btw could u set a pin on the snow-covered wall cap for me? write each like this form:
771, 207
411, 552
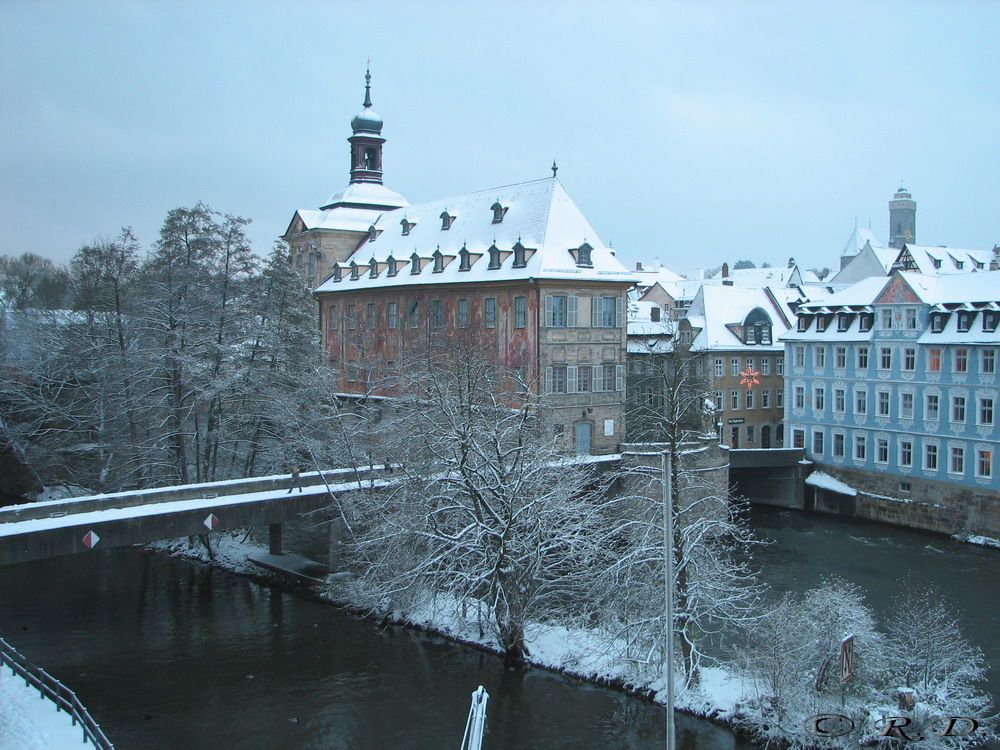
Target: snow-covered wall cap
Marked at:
541, 218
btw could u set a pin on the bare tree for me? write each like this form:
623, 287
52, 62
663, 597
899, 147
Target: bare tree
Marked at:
484, 513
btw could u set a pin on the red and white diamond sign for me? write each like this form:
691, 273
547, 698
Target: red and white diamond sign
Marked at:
212, 522
91, 539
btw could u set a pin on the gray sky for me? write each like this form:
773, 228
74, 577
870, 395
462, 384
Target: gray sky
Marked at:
694, 131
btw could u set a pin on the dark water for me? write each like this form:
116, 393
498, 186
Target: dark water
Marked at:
169, 654
876, 557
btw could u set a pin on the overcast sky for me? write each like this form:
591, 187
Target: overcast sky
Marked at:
697, 132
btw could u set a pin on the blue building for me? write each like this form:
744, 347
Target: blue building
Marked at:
892, 389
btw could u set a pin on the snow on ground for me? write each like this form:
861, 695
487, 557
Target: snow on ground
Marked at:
28, 722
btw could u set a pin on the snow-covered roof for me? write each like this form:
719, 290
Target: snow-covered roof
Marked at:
640, 321
656, 274
366, 194
943, 261
716, 308
352, 209
857, 241
758, 278
539, 215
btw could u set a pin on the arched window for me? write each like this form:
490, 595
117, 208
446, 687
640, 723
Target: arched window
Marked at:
414, 263
393, 268
354, 270
446, 220
463, 259
338, 272
583, 255
494, 252
498, 212
373, 268
438, 261
757, 327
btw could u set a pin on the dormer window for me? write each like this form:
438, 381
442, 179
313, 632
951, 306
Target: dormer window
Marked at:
438, 261
498, 212
519, 259
463, 259
392, 266
414, 264
494, 252
373, 233
843, 322
990, 320
407, 226
373, 271
978, 264
803, 324
965, 321
757, 327
959, 264
446, 221
583, 255
935, 262
821, 321
338, 272
937, 323
354, 271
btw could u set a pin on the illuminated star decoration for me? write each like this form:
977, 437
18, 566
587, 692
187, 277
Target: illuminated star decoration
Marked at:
749, 378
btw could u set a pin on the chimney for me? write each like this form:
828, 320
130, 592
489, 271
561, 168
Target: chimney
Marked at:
725, 270
791, 262
995, 263
638, 266
654, 314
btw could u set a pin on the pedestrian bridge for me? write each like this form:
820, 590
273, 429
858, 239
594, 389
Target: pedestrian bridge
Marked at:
34, 531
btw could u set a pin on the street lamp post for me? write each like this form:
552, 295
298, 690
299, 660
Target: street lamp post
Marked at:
668, 588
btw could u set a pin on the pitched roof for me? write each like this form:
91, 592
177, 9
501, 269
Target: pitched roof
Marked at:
940, 261
857, 241
539, 215
716, 308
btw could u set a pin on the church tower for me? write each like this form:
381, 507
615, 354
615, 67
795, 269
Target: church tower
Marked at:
902, 219
319, 238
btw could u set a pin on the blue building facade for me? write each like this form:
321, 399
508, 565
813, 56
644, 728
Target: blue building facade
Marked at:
892, 386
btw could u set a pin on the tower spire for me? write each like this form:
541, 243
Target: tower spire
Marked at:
368, 86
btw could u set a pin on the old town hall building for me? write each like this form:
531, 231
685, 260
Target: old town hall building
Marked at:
519, 266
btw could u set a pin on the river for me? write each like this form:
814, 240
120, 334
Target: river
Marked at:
170, 654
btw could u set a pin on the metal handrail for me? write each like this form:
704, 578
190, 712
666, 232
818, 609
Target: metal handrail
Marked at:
64, 698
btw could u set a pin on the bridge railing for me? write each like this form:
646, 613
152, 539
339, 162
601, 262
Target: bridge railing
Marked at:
56, 508
64, 698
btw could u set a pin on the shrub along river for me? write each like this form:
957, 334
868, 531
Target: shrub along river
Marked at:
172, 654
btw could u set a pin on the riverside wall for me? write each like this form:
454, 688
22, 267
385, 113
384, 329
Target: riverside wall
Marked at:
941, 507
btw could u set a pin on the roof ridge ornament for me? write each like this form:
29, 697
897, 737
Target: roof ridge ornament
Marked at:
555, 168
